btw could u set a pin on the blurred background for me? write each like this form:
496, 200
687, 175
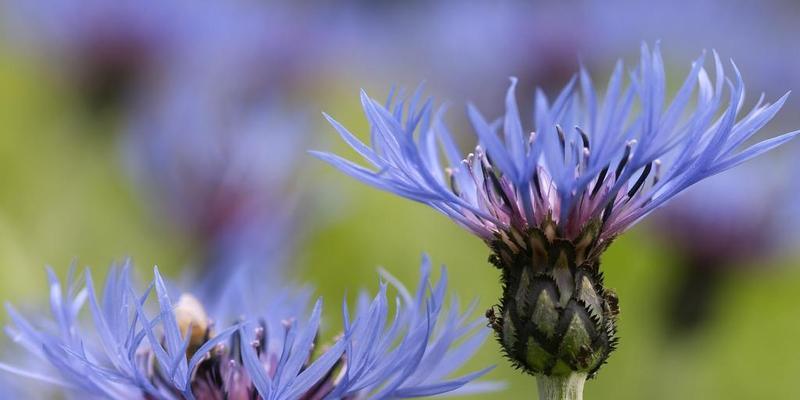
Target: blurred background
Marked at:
175, 133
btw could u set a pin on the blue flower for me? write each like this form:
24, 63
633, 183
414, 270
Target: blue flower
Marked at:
549, 203
738, 227
219, 168
117, 51
221, 165
180, 353
612, 156
739, 231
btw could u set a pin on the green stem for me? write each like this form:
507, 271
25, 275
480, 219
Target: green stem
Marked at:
568, 387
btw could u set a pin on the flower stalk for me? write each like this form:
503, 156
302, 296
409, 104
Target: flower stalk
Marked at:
568, 387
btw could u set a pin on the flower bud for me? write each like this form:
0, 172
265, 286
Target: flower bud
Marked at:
555, 316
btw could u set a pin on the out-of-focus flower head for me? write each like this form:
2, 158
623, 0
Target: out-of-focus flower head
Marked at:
436, 40
715, 229
524, 39
115, 50
106, 46
181, 352
213, 161
756, 36
222, 167
216, 143
549, 202
719, 225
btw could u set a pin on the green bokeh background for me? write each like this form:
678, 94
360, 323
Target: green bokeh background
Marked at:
65, 196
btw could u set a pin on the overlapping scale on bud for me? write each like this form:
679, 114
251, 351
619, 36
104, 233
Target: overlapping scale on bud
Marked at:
555, 317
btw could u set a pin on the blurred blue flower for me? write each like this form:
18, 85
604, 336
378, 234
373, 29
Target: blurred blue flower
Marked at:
222, 166
716, 229
738, 226
181, 353
760, 50
213, 161
437, 40
106, 47
619, 156
117, 50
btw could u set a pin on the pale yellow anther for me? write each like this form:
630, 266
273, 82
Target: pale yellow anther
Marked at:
190, 313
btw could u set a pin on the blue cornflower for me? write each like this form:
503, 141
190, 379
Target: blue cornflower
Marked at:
110, 49
613, 26
181, 353
586, 158
198, 149
529, 37
740, 231
549, 203
738, 227
118, 50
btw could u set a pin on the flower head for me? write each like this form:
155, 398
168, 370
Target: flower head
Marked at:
736, 228
222, 171
182, 353
549, 203
117, 50
107, 47
610, 158
201, 151
712, 240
